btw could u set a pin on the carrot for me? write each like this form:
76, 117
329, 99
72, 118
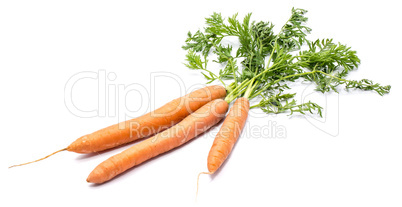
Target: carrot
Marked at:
190, 127
148, 124
143, 126
228, 134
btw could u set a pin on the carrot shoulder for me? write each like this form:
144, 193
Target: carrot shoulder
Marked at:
148, 124
193, 125
228, 134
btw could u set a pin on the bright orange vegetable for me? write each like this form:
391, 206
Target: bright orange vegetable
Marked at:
146, 125
228, 134
190, 127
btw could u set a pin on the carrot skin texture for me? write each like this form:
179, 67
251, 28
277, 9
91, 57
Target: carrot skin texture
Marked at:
148, 124
228, 134
193, 125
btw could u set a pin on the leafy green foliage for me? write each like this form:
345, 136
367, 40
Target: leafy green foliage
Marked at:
334, 61
294, 33
223, 53
194, 61
368, 85
280, 103
263, 32
228, 71
328, 57
199, 42
268, 61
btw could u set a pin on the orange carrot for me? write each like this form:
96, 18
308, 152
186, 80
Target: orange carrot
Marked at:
190, 127
146, 125
228, 134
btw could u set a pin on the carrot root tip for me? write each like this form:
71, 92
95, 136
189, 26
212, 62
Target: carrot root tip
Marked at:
198, 179
37, 159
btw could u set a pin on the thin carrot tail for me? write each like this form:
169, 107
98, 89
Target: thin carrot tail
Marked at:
38, 159
198, 179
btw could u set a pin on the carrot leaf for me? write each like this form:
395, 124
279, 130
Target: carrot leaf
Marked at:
265, 62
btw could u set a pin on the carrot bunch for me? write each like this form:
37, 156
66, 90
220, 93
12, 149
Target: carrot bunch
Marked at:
204, 105
190, 127
259, 71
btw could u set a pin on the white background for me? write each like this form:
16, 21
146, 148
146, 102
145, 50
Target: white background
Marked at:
351, 158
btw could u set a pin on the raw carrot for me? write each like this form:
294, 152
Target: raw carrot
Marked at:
228, 134
146, 125
190, 127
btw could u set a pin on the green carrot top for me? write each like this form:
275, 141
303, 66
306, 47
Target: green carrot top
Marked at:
268, 61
